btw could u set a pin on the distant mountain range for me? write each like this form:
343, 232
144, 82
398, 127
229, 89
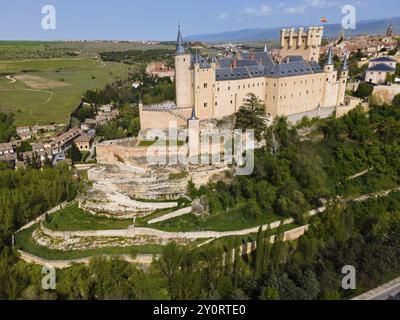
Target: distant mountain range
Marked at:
372, 27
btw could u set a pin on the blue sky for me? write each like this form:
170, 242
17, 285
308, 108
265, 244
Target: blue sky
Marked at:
157, 19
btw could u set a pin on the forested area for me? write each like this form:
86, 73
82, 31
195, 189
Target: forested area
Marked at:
152, 90
365, 235
139, 56
292, 174
7, 128
25, 194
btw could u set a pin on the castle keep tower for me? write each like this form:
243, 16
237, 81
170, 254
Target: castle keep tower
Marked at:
301, 43
183, 75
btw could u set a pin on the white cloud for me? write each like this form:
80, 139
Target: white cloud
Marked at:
263, 10
310, 4
295, 10
223, 15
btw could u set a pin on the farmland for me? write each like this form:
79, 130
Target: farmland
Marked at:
42, 82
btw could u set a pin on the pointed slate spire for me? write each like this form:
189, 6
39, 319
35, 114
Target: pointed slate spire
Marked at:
265, 47
193, 116
179, 42
330, 57
212, 55
345, 66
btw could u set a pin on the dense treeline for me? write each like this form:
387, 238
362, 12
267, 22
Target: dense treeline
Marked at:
152, 89
127, 125
291, 175
139, 56
46, 52
25, 194
365, 235
7, 128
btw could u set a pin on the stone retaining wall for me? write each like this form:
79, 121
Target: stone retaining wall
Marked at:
144, 260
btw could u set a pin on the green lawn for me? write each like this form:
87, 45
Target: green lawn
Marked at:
73, 218
25, 243
67, 80
224, 221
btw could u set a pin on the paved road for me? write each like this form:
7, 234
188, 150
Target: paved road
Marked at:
388, 293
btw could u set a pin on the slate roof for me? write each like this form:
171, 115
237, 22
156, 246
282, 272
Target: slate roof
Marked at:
293, 66
383, 59
240, 73
382, 67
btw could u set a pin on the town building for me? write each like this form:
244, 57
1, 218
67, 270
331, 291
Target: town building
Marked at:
7, 152
295, 86
84, 142
379, 69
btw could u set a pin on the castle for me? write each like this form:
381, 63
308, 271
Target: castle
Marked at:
213, 88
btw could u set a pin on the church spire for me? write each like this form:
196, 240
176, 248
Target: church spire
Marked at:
179, 42
265, 47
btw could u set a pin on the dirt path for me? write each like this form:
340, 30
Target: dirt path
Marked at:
12, 80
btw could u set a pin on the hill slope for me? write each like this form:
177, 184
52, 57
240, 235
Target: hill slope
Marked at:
378, 26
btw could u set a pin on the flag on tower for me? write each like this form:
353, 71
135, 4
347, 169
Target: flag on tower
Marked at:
324, 20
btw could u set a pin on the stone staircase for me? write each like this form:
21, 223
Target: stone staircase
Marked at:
182, 113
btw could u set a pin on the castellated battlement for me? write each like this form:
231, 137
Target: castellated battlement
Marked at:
302, 42
215, 87
291, 37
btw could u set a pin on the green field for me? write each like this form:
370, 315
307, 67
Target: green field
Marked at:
25, 243
33, 49
222, 221
73, 218
47, 90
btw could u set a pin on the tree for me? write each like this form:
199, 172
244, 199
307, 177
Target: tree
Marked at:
364, 90
251, 116
76, 155
7, 129
396, 101
24, 147
259, 254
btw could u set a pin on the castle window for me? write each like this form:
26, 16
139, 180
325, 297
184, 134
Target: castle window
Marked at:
205, 104
218, 89
205, 85
229, 88
216, 103
231, 102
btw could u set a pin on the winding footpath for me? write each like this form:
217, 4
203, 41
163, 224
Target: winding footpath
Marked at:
12, 80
